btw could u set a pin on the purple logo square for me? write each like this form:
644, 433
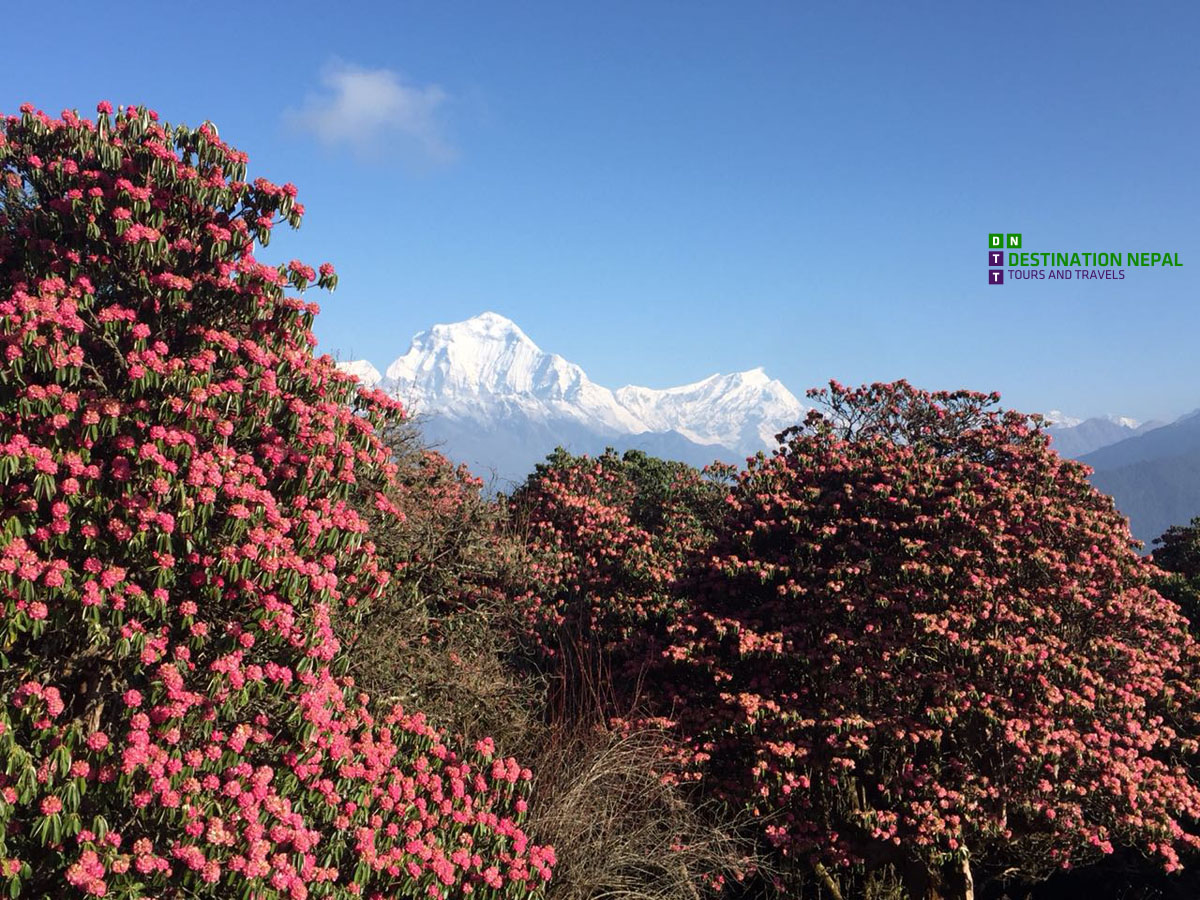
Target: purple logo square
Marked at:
995, 257
995, 276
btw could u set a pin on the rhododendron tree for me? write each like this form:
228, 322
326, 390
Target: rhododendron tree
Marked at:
926, 642
1177, 554
609, 537
607, 542
176, 545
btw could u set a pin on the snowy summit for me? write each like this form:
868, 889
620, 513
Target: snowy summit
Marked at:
485, 372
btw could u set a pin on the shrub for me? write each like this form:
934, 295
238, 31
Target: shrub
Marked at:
609, 538
608, 541
925, 642
176, 546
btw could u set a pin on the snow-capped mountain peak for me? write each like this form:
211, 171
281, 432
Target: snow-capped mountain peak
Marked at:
1124, 421
483, 382
742, 410
487, 365
1059, 419
487, 351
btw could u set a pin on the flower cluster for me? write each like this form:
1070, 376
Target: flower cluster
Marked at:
609, 539
924, 637
179, 553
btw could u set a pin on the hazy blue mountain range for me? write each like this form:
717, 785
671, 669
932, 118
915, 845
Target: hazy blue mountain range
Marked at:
1075, 437
1153, 477
1179, 438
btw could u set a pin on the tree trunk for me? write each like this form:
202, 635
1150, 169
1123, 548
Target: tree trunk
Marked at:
951, 882
827, 880
964, 881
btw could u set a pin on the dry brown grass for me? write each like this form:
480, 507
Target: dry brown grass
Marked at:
452, 667
618, 829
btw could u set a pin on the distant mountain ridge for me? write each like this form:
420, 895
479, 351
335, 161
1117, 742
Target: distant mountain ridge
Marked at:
744, 410
497, 401
1153, 477
492, 398
1074, 437
1180, 437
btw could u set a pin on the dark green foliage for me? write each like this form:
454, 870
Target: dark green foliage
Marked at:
1177, 553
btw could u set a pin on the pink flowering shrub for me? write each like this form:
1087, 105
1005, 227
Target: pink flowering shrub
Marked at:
924, 641
177, 545
609, 539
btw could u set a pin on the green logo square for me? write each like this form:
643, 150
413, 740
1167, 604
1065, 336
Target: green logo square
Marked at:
995, 241
1014, 242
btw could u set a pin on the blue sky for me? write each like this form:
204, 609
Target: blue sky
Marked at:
660, 191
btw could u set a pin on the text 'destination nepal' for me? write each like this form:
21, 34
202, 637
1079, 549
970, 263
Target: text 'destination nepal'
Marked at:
1005, 250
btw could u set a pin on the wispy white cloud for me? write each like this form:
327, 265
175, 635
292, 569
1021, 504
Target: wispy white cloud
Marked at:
377, 114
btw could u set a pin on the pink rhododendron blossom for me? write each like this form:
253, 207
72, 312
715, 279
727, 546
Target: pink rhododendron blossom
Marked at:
182, 551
